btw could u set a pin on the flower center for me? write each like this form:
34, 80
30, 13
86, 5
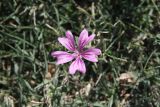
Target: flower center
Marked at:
77, 53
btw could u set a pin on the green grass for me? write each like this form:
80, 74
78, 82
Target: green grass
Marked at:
127, 32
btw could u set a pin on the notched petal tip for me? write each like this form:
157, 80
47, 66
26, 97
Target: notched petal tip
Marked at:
77, 65
92, 36
83, 35
84, 39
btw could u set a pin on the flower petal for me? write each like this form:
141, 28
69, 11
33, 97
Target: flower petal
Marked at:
91, 54
79, 65
62, 60
67, 43
90, 38
62, 57
95, 51
59, 53
69, 35
90, 57
82, 38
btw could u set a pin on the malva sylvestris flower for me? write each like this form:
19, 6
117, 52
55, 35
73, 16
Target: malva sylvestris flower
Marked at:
78, 52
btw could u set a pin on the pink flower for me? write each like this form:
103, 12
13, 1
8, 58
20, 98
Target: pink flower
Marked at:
78, 53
